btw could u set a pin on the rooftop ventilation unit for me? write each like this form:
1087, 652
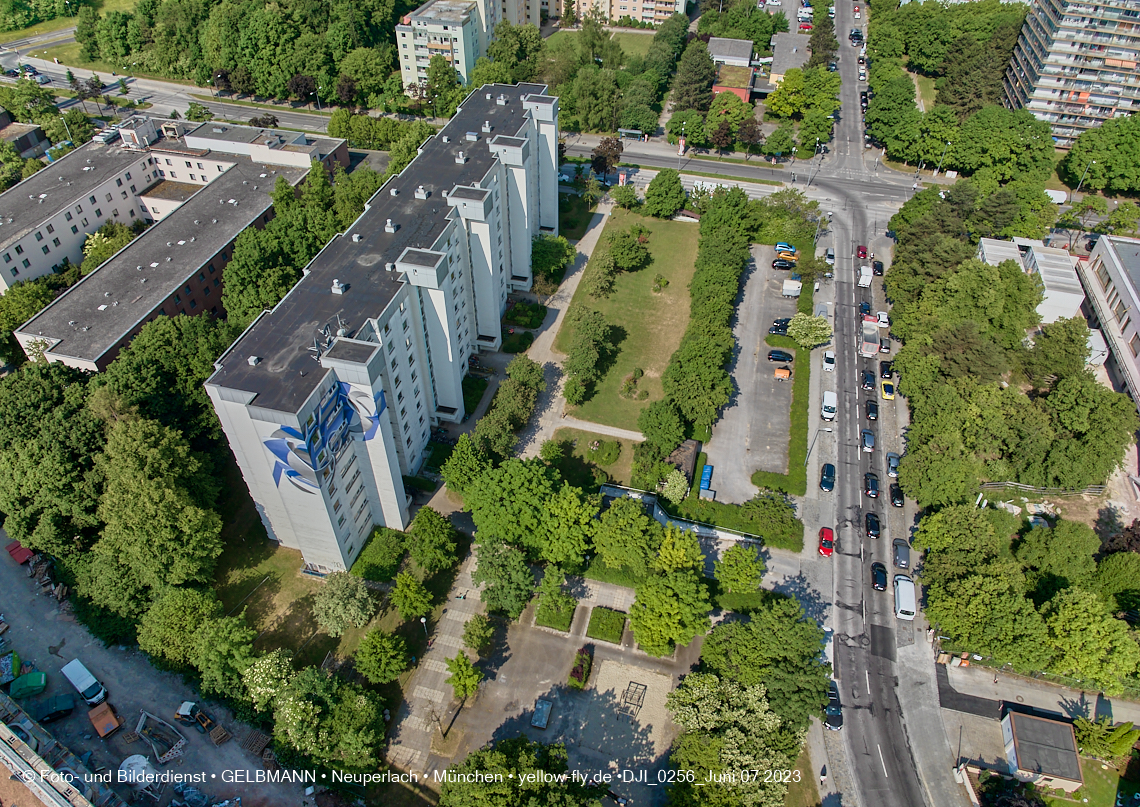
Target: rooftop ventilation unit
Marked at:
501, 100
446, 139
488, 96
337, 287
395, 191
389, 266
486, 126
254, 361
460, 158
356, 238
421, 193
389, 227
472, 136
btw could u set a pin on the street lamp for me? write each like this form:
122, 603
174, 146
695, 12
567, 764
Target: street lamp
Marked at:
318, 94
943, 157
817, 431
1082, 182
423, 621
681, 145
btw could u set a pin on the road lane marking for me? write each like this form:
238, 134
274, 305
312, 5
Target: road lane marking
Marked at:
868, 674
881, 760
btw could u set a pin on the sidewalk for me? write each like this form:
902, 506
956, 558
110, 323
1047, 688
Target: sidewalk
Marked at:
978, 682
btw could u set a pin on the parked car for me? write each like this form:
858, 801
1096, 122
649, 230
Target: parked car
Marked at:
805, 26
872, 410
871, 523
832, 67
886, 369
884, 319
900, 553
779, 330
871, 486
779, 355
897, 499
780, 263
867, 440
565, 178
878, 576
877, 268
868, 380
52, 709
888, 391
884, 344
829, 360
829, 257
861, 252
827, 478
784, 246
864, 309
858, 15
893, 465
834, 720
826, 541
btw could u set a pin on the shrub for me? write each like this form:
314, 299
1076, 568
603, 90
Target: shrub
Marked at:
380, 559
580, 672
343, 601
517, 342
526, 314
606, 625
606, 453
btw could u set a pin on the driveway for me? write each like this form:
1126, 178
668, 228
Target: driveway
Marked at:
753, 432
48, 639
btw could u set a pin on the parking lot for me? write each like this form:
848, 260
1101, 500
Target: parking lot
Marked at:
754, 429
47, 638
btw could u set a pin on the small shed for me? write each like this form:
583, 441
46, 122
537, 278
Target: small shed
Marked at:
684, 458
1041, 750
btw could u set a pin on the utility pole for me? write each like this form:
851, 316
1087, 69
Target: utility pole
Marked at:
942, 158
1082, 182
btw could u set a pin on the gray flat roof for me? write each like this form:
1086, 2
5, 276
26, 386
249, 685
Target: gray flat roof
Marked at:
1127, 251
106, 305
1057, 271
730, 48
788, 51
444, 10
1045, 746
351, 351
67, 181
287, 375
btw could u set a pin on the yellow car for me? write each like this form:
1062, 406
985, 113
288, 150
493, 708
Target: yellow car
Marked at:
888, 391
788, 256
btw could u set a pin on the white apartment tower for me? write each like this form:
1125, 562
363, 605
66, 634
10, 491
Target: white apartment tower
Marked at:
457, 30
1075, 64
328, 399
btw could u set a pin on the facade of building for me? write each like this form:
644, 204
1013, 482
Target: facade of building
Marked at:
329, 399
1111, 278
1056, 268
454, 29
640, 10
28, 139
202, 185
1075, 64
732, 52
788, 51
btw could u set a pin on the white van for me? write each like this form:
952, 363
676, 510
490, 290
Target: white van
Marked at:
84, 682
904, 597
830, 406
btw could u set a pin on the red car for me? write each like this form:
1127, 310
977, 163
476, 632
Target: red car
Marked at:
826, 541
805, 26
862, 251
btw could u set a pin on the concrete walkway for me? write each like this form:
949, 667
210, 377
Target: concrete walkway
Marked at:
597, 428
551, 406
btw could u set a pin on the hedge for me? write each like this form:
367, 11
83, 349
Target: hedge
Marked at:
606, 625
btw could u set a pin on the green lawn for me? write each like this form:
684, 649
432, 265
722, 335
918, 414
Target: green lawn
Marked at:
573, 216
804, 792
578, 465
606, 625
473, 389
795, 481
1101, 787
926, 90
651, 324
631, 44
558, 620
69, 55
64, 22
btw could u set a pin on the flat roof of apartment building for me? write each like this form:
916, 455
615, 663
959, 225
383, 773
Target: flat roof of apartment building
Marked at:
97, 313
283, 374
444, 11
1127, 252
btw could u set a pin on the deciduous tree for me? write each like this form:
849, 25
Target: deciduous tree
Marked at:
509, 582
626, 537
343, 601
464, 676
381, 656
740, 569
665, 194
433, 540
410, 596
669, 609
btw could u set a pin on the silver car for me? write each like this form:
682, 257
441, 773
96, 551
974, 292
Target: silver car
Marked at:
893, 465
868, 440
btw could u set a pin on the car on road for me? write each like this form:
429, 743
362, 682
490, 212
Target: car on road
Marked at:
834, 719
864, 309
872, 410
877, 268
884, 319
871, 523
897, 499
28, 70
827, 478
858, 16
11, 73
886, 369
826, 541
831, 12
888, 391
878, 576
867, 440
861, 252
862, 74
893, 465
829, 257
781, 263
900, 553
868, 380
829, 360
565, 178
871, 486
779, 355
884, 344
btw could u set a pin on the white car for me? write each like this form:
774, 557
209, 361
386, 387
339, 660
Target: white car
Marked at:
565, 178
829, 360
831, 12
884, 320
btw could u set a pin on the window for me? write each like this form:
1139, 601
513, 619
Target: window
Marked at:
26, 263
133, 189
192, 177
1134, 344
90, 199
168, 162
193, 305
45, 249
177, 300
211, 268
50, 229
188, 165
206, 293
116, 212
39, 236
217, 283
7, 257
67, 215
201, 278
84, 222
199, 166
132, 212
128, 176
109, 197
1102, 276
219, 169
1119, 310
118, 183
340, 521
98, 212
74, 229
55, 241
336, 506
15, 272
173, 175
153, 209
124, 194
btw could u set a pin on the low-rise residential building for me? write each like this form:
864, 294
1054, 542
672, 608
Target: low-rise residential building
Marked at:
1111, 277
203, 185
647, 11
732, 52
788, 51
1056, 268
28, 139
328, 400
453, 29
1041, 750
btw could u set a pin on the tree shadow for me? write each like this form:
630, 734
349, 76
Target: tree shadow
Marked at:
1080, 706
813, 602
500, 651
1109, 521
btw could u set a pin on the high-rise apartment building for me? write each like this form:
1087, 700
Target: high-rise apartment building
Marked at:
329, 399
457, 30
1075, 64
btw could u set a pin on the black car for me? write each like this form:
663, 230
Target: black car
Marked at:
864, 309
896, 496
871, 522
780, 263
832, 67
878, 576
868, 381
886, 369
877, 268
872, 410
779, 355
778, 330
52, 709
871, 486
834, 719
11, 74
827, 478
